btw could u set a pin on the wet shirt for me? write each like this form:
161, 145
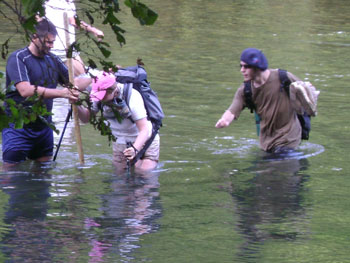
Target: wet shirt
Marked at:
47, 71
279, 125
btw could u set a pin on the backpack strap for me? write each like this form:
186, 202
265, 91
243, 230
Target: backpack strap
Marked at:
148, 143
285, 81
127, 92
126, 95
248, 95
155, 127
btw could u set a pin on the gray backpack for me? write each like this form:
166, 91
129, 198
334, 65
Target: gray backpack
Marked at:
135, 77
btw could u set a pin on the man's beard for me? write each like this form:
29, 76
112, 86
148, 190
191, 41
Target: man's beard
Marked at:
43, 51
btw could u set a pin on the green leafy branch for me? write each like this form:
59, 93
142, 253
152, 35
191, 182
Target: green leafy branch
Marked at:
25, 12
30, 110
98, 121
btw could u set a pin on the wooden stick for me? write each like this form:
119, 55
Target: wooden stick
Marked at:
75, 109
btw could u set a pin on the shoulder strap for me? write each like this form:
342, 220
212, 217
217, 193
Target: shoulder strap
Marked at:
285, 81
155, 125
248, 96
127, 92
126, 96
148, 143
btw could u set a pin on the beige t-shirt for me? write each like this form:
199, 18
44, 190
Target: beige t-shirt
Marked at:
279, 125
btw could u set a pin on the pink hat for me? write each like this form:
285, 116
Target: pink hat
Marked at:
100, 84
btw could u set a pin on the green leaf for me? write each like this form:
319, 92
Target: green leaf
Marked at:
145, 15
32, 7
90, 17
92, 63
107, 12
111, 19
14, 111
4, 120
107, 65
19, 123
120, 38
32, 117
105, 52
5, 49
26, 120
29, 23
129, 3
103, 43
151, 17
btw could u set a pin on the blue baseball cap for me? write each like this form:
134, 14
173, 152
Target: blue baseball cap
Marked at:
254, 57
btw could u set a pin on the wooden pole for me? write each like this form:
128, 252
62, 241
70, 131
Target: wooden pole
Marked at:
75, 109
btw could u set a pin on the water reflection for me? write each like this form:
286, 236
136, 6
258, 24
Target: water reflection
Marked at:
27, 235
53, 218
129, 210
270, 202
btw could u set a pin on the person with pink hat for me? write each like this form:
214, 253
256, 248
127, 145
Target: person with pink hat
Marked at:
131, 126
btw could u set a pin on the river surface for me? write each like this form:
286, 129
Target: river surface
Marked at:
215, 197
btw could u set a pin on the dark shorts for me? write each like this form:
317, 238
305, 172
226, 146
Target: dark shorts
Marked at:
20, 144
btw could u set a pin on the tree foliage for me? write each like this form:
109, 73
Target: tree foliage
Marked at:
22, 14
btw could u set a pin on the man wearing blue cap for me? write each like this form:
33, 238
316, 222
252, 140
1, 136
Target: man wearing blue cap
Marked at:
279, 125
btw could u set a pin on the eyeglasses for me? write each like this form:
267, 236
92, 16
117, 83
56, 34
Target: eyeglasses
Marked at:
49, 42
245, 66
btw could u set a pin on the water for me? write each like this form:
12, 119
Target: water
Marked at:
215, 196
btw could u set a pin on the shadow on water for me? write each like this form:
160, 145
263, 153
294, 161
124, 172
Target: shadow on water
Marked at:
269, 198
50, 218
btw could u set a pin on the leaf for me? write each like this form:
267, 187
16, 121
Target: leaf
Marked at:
26, 120
102, 43
120, 38
32, 7
151, 17
90, 17
92, 63
4, 120
5, 49
129, 3
29, 23
145, 15
32, 117
111, 19
107, 12
14, 111
19, 123
107, 65
106, 53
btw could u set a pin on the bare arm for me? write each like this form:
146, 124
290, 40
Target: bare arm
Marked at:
82, 82
141, 139
84, 114
88, 28
225, 119
25, 89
